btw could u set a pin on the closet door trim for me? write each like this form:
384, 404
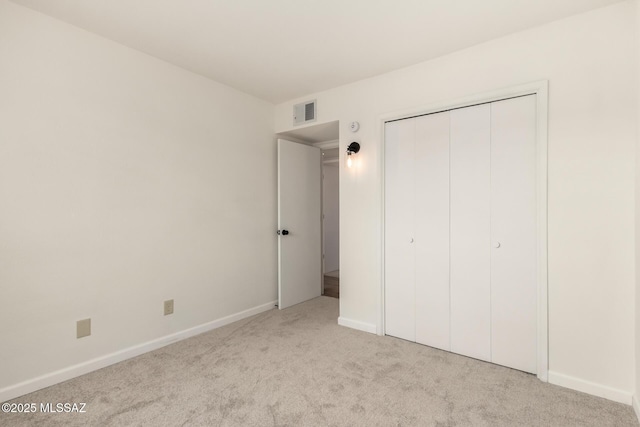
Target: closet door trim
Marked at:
540, 89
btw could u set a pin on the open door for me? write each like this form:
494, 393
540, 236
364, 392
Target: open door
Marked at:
299, 223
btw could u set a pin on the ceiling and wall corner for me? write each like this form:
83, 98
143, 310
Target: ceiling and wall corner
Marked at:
284, 49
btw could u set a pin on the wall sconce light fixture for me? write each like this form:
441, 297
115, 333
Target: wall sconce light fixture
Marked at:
352, 149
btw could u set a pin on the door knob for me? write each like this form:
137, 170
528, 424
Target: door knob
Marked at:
497, 245
283, 232
411, 240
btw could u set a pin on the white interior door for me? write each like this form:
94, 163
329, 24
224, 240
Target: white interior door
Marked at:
299, 223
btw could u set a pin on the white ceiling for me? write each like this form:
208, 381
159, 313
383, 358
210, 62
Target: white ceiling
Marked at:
278, 50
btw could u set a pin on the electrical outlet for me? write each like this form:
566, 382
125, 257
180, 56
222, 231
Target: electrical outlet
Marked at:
168, 307
83, 328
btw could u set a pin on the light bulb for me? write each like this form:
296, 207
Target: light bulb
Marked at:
349, 162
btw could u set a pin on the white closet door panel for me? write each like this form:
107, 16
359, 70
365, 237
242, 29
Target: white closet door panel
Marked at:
513, 226
399, 222
432, 230
470, 231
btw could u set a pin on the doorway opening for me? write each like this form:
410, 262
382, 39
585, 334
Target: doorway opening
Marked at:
324, 138
331, 222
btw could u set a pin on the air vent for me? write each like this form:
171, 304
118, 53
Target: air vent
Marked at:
304, 112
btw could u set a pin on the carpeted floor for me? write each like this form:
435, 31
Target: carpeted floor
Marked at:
297, 367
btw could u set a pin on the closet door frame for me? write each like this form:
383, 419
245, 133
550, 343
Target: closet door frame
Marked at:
540, 89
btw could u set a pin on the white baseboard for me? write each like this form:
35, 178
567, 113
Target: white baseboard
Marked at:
355, 324
636, 406
29, 386
588, 387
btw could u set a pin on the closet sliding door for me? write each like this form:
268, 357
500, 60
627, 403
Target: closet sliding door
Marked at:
400, 296
460, 231
417, 230
513, 233
470, 231
432, 230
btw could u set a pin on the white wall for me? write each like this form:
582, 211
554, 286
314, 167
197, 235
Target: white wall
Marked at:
589, 61
331, 211
124, 181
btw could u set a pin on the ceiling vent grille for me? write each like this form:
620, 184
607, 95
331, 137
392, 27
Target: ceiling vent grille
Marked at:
304, 112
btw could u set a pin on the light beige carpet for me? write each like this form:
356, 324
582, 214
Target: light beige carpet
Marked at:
297, 367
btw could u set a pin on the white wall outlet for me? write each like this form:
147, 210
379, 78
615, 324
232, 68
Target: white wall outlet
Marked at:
83, 328
168, 307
